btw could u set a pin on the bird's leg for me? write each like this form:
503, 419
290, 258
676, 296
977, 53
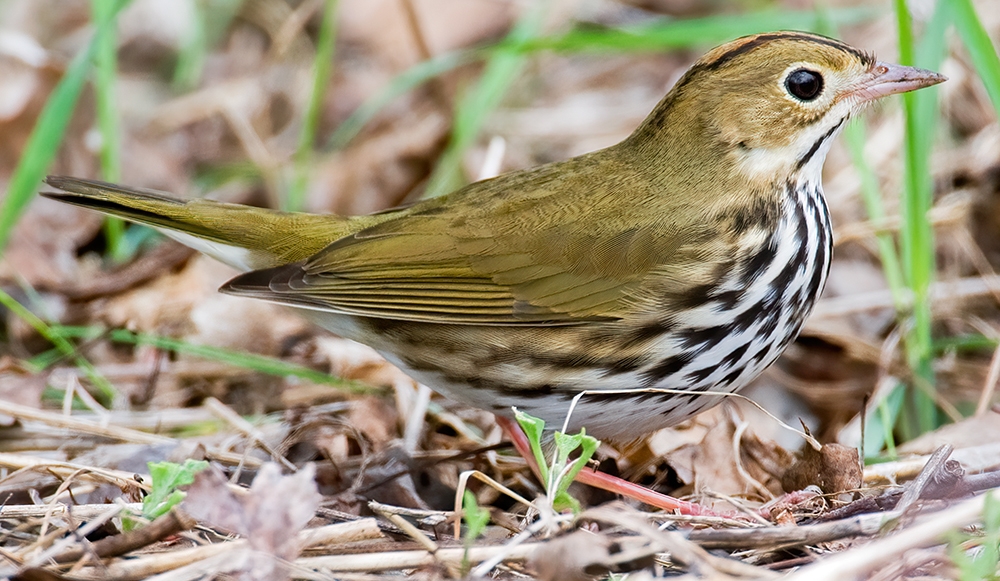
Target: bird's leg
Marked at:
610, 483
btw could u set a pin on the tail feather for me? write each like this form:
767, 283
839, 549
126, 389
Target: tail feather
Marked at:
244, 237
134, 204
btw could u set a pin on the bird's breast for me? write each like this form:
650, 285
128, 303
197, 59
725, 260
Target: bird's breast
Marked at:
639, 374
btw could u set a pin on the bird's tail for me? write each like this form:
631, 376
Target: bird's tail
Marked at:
244, 237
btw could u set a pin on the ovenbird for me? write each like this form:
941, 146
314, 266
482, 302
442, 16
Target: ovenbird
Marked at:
684, 258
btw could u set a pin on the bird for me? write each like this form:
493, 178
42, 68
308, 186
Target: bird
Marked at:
621, 291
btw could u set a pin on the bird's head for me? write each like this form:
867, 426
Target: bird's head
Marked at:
767, 106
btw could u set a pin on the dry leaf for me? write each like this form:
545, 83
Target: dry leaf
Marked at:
578, 556
967, 433
834, 468
18, 385
269, 515
42, 248
711, 463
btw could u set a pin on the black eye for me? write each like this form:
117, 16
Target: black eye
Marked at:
804, 84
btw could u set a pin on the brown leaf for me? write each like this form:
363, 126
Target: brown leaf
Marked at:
578, 556
834, 468
42, 249
711, 462
18, 385
386, 26
376, 419
269, 515
20, 73
352, 360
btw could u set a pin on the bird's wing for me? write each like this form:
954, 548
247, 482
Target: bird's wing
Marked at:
541, 247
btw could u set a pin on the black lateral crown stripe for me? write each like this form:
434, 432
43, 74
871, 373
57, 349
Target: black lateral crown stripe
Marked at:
762, 39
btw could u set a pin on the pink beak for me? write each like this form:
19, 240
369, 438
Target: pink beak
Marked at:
888, 79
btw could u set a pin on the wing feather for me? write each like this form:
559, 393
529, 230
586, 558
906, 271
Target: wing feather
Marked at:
547, 246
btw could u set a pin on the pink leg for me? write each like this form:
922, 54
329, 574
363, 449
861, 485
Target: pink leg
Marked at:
611, 483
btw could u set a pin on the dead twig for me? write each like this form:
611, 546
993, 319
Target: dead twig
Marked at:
84, 426
681, 550
147, 565
163, 258
854, 564
931, 473
171, 523
226, 414
789, 536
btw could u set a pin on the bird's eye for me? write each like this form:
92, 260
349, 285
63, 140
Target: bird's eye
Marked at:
804, 84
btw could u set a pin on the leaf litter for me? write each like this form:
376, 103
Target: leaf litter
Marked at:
311, 482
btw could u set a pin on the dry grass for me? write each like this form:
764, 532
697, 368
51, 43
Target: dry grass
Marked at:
370, 467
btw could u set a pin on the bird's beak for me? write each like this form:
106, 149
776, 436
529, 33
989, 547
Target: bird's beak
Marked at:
888, 79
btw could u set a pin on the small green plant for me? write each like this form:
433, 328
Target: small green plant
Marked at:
979, 564
165, 479
558, 474
476, 518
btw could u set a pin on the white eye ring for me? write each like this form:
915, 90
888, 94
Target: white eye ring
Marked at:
804, 84
796, 74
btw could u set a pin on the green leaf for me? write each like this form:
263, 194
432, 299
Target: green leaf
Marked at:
534, 428
476, 518
566, 444
166, 478
588, 445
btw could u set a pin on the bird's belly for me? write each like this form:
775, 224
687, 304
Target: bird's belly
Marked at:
630, 389
636, 375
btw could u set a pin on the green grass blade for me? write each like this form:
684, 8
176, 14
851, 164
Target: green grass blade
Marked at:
322, 66
854, 134
250, 361
703, 31
664, 35
880, 420
917, 235
193, 49
479, 101
106, 71
106, 393
46, 137
210, 21
965, 343
406, 81
658, 36
980, 47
